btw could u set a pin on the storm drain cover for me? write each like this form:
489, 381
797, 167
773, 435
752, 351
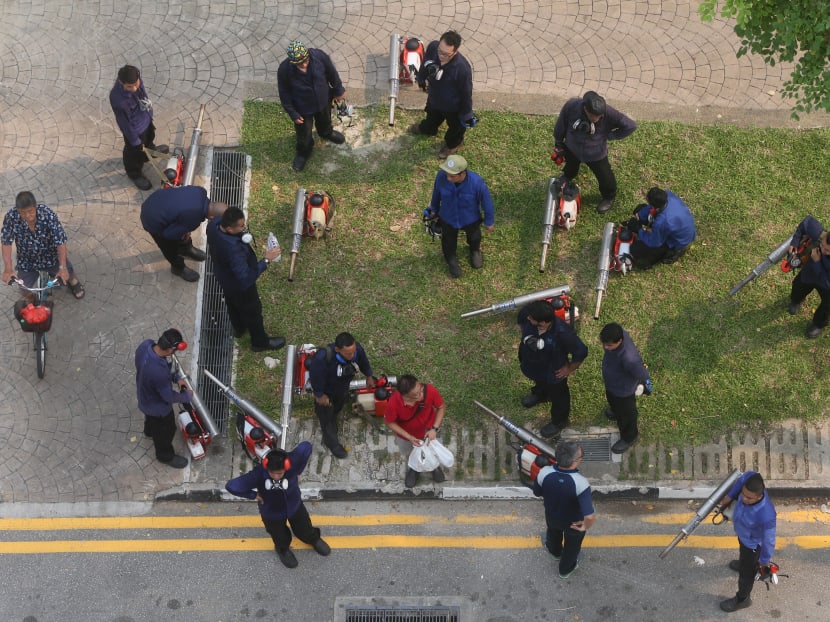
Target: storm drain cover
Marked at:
433, 609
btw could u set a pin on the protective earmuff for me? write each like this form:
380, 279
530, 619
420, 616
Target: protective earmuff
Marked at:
276, 460
172, 339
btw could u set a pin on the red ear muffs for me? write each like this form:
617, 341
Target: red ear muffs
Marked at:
182, 345
286, 464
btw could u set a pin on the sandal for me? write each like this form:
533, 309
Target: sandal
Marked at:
77, 290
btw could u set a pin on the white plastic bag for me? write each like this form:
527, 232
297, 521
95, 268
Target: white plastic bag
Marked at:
423, 459
445, 456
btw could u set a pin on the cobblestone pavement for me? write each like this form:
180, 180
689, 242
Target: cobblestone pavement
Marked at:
77, 434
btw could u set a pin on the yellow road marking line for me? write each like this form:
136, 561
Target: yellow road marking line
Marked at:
249, 520
381, 541
795, 516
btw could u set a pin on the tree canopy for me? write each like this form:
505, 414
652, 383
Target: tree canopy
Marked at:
785, 31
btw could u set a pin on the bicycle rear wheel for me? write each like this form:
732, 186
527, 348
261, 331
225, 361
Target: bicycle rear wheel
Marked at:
40, 353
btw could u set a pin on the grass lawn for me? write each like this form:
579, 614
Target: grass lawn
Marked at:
716, 362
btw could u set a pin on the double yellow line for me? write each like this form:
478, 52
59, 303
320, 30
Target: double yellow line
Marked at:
343, 542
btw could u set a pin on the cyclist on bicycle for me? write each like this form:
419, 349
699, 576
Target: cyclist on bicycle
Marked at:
41, 244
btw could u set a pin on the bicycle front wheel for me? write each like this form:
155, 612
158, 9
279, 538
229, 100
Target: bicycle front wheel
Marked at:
40, 353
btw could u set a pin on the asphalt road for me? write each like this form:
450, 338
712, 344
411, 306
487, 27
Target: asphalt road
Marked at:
214, 562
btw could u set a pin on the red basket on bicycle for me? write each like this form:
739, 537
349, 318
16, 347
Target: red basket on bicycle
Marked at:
33, 318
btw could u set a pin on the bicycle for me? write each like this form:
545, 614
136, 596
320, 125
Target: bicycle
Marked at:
35, 315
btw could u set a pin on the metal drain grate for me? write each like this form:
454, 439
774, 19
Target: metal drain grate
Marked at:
595, 448
403, 614
230, 172
402, 609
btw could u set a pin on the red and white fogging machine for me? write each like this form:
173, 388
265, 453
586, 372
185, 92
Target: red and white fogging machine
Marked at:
406, 55
563, 204
533, 455
559, 297
255, 443
197, 424
369, 400
179, 170
313, 218
614, 256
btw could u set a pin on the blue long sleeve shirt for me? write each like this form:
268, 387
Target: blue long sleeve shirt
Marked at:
623, 369
306, 93
453, 92
588, 147
234, 262
133, 111
754, 524
277, 503
561, 347
329, 375
173, 212
674, 226
461, 204
154, 382
813, 272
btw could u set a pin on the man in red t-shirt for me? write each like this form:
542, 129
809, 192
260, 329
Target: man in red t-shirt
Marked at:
415, 413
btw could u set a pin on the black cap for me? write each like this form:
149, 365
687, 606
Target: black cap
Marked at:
594, 103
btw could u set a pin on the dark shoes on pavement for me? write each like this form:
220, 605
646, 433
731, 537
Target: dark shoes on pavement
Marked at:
141, 182
550, 430
322, 547
274, 343
813, 331
299, 163
161, 148
621, 446
605, 205
177, 462
338, 450
287, 558
733, 604
411, 478
335, 137
476, 259
529, 401
194, 253
438, 476
568, 574
735, 565
455, 269
186, 273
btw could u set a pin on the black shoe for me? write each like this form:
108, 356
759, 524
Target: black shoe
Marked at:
338, 451
298, 164
177, 462
141, 182
733, 604
529, 401
621, 446
186, 273
288, 559
476, 259
238, 334
550, 430
161, 148
813, 331
605, 205
274, 343
609, 414
735, 565
335, 137
793, 308
414, 129
322, 547
438, 476
411, 478
455, 269
194, 253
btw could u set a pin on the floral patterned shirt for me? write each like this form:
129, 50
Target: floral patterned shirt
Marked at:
38, 249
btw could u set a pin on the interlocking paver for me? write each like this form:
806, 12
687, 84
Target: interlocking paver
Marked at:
77, 435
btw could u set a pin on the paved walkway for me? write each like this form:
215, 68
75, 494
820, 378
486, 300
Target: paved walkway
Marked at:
76, 435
